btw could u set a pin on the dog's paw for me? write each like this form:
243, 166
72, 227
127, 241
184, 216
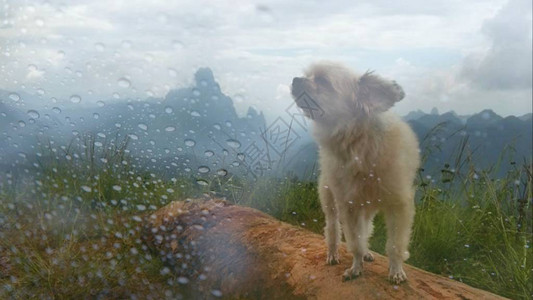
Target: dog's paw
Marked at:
352, 273
332, 258
368, 257
397, 277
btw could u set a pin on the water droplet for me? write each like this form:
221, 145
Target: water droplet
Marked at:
126, 44
202, 182
209, 153
222, 172
33, 114
177, 44
39, 22
233, 143
217, 126
172, 72
190, 143
195, 113
117, 188
168, 110
96, 116
123, 82
56, 109
22, 124
170, 128
86, 188
133, 136
203, 169
141, 207
216, 293
100, 103
75, 99
240, 156
142, 126
100, 47
183, 280
238, 98
196, 92
14, 96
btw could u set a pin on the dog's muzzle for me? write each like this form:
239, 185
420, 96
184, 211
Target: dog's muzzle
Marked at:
297, 86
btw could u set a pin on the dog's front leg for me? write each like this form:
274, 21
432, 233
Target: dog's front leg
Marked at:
354, 226
332, 229
399, 222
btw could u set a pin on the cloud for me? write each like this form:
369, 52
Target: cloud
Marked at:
508, 62
84, 46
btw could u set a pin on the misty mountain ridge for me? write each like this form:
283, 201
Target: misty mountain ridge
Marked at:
197, 128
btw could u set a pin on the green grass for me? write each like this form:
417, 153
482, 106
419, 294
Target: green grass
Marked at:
70, 225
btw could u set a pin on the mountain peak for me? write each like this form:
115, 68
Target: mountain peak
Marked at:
204, 75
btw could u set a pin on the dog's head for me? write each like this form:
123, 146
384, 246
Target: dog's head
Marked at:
330, 93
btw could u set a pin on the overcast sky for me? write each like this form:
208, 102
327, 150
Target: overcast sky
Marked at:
454, 55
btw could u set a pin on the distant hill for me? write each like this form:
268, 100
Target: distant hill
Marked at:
195, 130
190, 128
487, 137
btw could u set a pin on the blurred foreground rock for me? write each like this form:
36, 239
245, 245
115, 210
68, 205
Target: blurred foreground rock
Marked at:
233, 252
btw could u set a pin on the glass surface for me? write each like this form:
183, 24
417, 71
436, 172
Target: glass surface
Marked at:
109, 110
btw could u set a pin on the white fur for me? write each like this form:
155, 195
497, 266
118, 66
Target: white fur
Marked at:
368, 161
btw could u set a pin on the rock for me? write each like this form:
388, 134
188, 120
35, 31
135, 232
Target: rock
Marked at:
233, 252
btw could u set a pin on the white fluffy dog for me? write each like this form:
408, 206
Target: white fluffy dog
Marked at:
368, 161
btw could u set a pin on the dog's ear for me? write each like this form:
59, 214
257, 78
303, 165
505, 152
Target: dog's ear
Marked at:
375, 94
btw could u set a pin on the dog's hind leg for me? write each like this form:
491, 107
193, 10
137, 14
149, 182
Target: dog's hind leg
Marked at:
332, 229
399, 220
370, 229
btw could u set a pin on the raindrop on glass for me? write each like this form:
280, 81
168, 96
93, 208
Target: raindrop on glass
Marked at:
99, 47
183, 280
172, 72
14, 96
216, 293
39, 22
170, 128
189, 143
86, 188
233, 143
202, 182
75, 99
203, 169
33, 114
123, 82
126, 44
